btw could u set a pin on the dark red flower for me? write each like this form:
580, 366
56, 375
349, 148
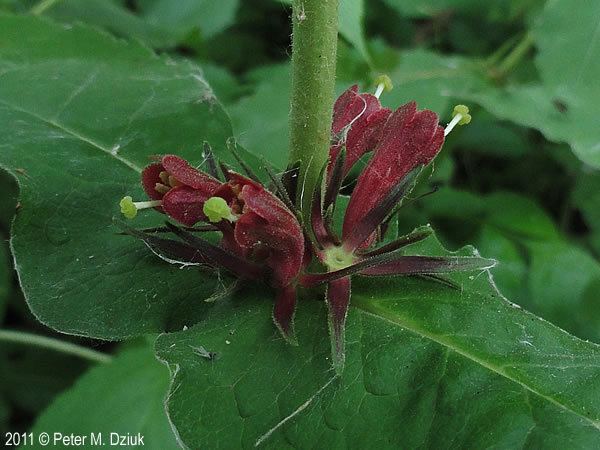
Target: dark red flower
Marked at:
358, 121
181, 188
410, 138
261, 237
402, 143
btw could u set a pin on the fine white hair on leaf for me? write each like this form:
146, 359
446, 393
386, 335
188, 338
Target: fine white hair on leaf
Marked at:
183, 264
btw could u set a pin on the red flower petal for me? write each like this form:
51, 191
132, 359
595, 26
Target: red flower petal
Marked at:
283, 312
409, 138
365, 116
267, 225
364, 135
341, 106
188, 175
185, 204
338, 298
150, 176
281, 248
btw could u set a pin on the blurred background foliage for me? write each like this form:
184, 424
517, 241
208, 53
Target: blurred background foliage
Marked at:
521, 182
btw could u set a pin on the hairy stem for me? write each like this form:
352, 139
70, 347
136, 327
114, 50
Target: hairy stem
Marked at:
18, 337
313, 79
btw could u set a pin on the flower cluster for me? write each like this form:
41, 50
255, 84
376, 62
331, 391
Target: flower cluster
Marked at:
262, 237
402, 142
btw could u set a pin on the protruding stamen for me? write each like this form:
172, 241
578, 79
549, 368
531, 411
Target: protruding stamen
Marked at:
173, 182
217, 209
164, 177
161, 188
383, 83
129, 208
460, 116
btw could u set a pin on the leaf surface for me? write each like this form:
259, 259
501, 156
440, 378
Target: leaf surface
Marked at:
260, 120
81, 113
113, 17
433, 80
563, 106
181, 17
124, 396
426, 366
561, 278
493, 10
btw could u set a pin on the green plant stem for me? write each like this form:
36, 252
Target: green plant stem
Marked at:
515, 56
495, 58
18, 337
313, 80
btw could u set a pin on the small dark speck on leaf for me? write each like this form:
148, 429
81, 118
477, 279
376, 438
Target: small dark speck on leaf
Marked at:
560, 106
201, 351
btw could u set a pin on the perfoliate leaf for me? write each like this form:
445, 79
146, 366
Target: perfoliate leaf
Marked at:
427, 365
93, 110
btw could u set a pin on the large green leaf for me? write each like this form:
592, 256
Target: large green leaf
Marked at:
519, 217
111, 16
428, 366
351, 26
76, 137
496, 10
260, 120
127, 396
564, 105
559, 281
182, 16
510, 273
433, 80
159, 23
32, 376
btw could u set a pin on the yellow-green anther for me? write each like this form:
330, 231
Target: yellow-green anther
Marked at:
385, 81
460, 116
217, 209
464, 112
128, 208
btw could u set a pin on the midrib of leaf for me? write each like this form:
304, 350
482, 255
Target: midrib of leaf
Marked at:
74, 134
371, 309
